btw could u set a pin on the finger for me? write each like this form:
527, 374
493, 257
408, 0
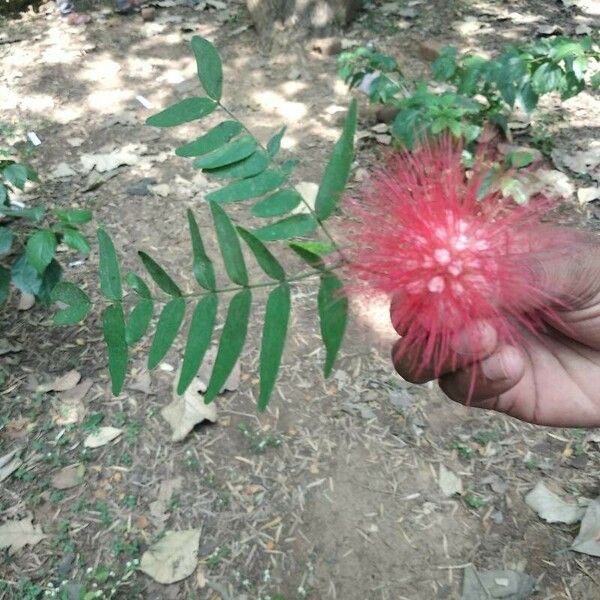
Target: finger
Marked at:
483, 384
469, 345
395, 312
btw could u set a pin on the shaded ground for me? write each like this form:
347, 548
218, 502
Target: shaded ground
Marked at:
307, 500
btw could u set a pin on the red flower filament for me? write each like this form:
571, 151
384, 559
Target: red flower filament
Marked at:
449, 258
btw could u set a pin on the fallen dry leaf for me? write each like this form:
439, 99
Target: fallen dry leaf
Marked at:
160, 189
9, 463
143, 383
142, 522
68, 477
71, 409
588, 539
184, 412
18, 428
449, 483
496, 585
26, 301
110, 160
588, 194
549, 182
158, 508
205, 371
584, 162
14, 535
78, 392
69, 412
102, 437
172, 558
65, 382
551, 507
201, 577
62, 170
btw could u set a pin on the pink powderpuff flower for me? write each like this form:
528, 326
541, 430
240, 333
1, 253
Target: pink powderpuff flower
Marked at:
449, 258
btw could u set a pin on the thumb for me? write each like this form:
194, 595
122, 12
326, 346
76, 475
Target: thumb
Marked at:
567, 274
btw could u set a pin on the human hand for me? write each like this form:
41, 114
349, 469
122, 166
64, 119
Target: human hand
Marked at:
551, 379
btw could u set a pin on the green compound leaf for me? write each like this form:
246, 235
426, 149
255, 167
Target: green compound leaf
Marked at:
290, 227
40, 249
77, 301
247, 188
231, 343
213, 139
110, 276
229, 245
308, 256
273, 340
139, 321
185, 111
253, 165
210, 70
6, 240
337, 170
113, 326
76, 240
268, 263
274, 144
25, 277
277, 204
138, 285
333, 316
73, 217
167, 329
232, 152
4, 284
317, 247
159, 275
203, 267
199, 336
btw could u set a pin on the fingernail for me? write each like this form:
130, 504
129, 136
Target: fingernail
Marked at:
494, 368
475, 339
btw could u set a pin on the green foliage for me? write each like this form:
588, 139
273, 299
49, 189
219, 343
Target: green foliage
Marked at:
29, 237
252, 173
479, 90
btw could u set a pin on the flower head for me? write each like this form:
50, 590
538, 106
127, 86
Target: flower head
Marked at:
449, 255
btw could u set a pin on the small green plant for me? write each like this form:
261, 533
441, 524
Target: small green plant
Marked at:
218, 555
476, 90
484, 437
102, 583
259, 442
474, 501
29, 237
463, 450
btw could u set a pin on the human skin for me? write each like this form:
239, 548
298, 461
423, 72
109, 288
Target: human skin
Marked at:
549, 379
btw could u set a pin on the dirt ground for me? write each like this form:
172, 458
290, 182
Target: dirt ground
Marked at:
334, 492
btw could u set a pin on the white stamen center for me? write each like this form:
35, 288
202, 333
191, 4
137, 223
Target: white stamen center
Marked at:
442, 255
436, 285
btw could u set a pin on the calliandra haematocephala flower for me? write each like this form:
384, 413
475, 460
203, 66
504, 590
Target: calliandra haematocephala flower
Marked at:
451, 256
